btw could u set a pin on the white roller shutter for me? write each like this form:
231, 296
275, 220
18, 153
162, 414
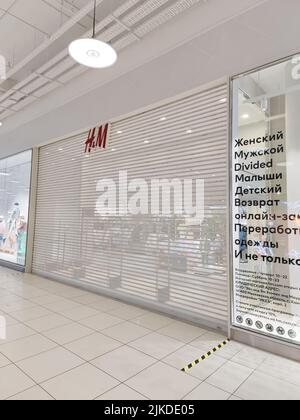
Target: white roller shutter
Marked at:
161, 261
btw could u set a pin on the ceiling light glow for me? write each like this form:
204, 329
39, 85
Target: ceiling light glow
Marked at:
285, 164
245, 116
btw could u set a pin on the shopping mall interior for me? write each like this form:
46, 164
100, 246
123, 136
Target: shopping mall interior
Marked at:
149, 202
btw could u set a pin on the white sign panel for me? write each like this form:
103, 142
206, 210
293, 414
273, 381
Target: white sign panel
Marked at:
266, 202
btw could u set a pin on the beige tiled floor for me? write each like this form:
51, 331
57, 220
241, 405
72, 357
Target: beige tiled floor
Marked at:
65, 343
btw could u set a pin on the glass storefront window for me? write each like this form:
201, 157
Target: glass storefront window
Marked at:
15, 174
266, 200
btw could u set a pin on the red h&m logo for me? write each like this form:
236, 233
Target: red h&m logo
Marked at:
97, 141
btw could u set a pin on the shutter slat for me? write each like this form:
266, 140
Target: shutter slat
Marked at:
162, 261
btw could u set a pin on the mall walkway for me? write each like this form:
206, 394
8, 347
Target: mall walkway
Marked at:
65, 343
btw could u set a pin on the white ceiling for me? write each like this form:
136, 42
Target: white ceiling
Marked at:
210, 40
34, 35
24, 25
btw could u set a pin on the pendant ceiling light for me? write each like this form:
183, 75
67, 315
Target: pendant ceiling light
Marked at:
91, 52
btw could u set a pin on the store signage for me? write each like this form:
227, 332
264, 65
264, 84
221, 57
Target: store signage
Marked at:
262, 228
97, 138
266, 205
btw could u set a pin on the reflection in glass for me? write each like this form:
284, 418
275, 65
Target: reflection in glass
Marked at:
15, 173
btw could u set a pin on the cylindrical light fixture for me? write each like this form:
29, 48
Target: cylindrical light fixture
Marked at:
91, 52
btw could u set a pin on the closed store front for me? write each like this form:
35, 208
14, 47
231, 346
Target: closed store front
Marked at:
142, 215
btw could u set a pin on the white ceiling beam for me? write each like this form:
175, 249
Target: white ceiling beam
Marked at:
60, 32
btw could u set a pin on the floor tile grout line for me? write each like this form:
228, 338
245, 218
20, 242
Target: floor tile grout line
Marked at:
24, 373
89, 362
251, 374
40, 384
254, 371
94, 332
124, 344
26, 390
103, 332
128, 386
158, 360
84, 362
204, 381
217, 370
174, 319
124, 382
56, 345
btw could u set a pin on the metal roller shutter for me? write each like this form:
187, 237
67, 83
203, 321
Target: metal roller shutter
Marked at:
162, 262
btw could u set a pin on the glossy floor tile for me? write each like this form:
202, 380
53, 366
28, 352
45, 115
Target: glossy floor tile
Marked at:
126, 332
230, 377
157, 345
161, 381
124, 363
123, 393
82, 383
203, 370
68, 333
33, 394
13, 381
206, 392
26, 347
49, 364
93, 346
55, 338
260, 386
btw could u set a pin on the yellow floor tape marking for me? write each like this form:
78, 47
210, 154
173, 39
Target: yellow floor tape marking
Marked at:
205, 356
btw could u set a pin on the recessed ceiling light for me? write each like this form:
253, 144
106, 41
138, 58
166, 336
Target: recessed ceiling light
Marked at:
222, 101
120, 132
91, 52
245, 116
163, 119
189, 131
146, 142
113, 150
1, 123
